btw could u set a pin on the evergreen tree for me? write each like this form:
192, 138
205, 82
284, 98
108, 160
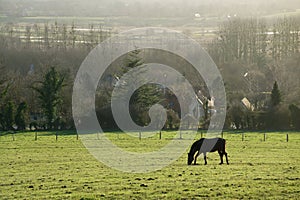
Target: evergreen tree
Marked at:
49, 94
6, 109
20, 116
275, 95
7, 116
145, 96
4, 85
132, 60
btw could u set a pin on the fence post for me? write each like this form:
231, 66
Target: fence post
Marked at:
160, 135
265, 136
140, 135
201, 134
243, 136
56, 136
35, 136
13, 136
287, 137
222, 134
77, 136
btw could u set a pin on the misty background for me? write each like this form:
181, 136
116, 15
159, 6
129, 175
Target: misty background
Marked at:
255, 44
143, 8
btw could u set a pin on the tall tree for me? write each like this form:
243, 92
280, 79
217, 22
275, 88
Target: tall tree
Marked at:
7, 116
4, 88
145, 96
20, 116
49, 94
275, 95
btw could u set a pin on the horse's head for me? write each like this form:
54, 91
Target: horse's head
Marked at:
190, 158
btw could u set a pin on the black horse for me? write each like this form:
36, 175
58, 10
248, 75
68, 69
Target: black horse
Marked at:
207, 145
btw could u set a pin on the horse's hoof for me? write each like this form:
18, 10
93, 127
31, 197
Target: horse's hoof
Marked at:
221, 164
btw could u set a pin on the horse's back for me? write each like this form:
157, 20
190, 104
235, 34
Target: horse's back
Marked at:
212, 144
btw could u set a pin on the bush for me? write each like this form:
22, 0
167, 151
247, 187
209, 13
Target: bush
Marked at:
278, 118
295, 116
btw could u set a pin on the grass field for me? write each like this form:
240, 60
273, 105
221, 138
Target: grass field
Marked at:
63, 169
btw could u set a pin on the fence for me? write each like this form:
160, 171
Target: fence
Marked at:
39, 135
161, 135
263, 136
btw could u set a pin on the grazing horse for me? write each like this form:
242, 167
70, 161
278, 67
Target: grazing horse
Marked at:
207, 145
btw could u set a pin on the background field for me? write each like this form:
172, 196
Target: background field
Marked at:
63, 169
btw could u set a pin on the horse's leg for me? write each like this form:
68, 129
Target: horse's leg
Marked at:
195, 160
205, 161
226, 157
221, 156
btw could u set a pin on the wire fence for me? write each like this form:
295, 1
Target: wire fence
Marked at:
162, 135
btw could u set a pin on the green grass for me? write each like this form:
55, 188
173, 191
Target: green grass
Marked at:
63, 169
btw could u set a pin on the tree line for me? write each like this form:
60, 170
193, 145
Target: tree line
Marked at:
258, 61
52, 35
254, 41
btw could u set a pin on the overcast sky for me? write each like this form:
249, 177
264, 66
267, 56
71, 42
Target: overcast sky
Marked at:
148, 8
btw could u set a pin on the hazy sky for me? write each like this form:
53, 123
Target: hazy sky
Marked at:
148, 8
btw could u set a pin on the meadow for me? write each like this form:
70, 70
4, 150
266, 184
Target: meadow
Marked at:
47, 168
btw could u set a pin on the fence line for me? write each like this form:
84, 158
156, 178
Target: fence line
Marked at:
227, 135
